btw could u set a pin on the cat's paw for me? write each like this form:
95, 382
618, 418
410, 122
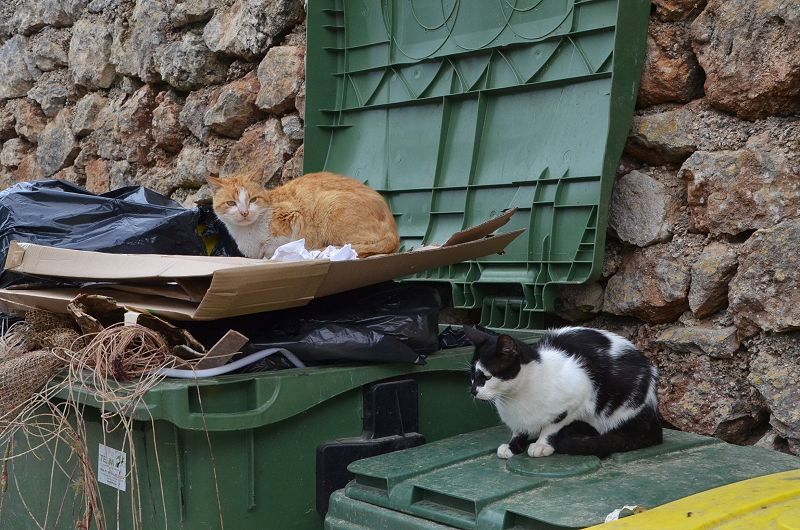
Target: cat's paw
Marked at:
504, 452
540, 449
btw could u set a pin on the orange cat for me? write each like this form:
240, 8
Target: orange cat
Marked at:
324, 208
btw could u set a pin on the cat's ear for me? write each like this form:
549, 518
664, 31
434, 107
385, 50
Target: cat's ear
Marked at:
476, 336
214, 182
507, 346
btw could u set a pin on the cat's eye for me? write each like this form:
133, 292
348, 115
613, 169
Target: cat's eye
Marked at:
231, 203
254, 199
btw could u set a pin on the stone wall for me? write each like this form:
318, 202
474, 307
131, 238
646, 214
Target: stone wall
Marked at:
703, 259
107, 93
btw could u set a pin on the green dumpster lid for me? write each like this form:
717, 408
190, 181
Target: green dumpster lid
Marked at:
459, 482
456, 110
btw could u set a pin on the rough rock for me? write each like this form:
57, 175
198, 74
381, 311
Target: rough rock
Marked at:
579, 302
189, 198
57, 147
249, 27
670, 72
239, 68
133, 125
670, 135
710, 276
719, 343
750, 52
300, 100
297, 37
293, 127
14, 151
281, 74
98, 175
731, 192
48, 49
160, 178
121, 173
17, 72
774, 371
192, 165
168, 132
51, 92
765, 293
32, 15
6, 123
29, 121
678, 9
652, 284
262, 150
87, 114
232, 108
90, 54
101, 6
773, 440
193, 113
6, 30
137, 39
192, 11
188, 64
28, 169
709, 396
294, 167
644, 210
196, 161
71, 174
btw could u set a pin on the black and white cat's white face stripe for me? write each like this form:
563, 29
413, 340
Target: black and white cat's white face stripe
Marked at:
484, 385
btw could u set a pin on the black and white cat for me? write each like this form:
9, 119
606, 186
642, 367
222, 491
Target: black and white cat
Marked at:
577, 391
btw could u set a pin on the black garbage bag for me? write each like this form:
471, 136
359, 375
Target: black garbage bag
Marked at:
453, 338
213, 228
132, 220
389, 322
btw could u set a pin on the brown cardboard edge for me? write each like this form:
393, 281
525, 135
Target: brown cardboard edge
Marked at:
39, 260
56, 301
481, 230
347, 275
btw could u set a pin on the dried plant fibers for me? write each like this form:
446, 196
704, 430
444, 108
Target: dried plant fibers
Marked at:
119, 364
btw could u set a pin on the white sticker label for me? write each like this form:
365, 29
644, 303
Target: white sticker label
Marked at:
111, 467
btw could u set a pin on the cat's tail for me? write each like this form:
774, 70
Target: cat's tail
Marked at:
384, 246
643, 430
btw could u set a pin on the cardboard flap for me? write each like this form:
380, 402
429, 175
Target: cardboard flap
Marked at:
56, 301
273, 285
482, 230
346, 275
40, 260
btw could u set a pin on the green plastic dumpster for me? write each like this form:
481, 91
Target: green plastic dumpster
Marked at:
455, 110
460, 483
259, 441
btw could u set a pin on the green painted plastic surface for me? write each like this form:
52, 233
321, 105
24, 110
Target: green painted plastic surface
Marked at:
460, 483
263, 432
456, 110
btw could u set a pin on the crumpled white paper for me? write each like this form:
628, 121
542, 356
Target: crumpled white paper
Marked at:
297, 251
623, 512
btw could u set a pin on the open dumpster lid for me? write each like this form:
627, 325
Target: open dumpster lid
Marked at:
457, 109
460, 483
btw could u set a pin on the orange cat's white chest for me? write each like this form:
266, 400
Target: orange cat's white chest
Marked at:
256, 240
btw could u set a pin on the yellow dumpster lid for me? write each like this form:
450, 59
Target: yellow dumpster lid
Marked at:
771, 502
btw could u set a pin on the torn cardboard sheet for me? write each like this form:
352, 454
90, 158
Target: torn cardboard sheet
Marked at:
208, 288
